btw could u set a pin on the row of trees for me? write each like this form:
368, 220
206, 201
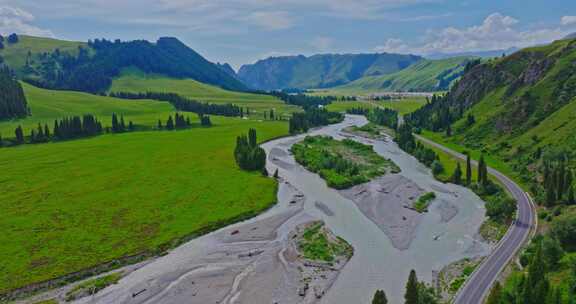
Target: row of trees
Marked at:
88, 125
312, 117
557, 181
384, 117
436, 115
12, 99
534, 286
248, 155
303, 100
185, 104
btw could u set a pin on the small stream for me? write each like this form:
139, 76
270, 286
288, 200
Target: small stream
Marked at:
376, 264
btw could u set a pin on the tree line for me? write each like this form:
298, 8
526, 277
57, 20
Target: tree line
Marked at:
312, 117
248, 155
185, 104
303, 100
88, 125
13, 102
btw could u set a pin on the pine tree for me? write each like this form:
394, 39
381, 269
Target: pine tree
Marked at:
252, 138
468, 170
457, 175
159, 124
411, 295
379, 297
19, 135
170, 123
495, 296
115, 125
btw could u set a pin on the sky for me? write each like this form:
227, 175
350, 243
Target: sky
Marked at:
244, 31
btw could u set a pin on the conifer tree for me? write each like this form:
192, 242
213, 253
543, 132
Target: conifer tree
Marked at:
380, 297
159, 124
457, 175
495, 296
19, 135
468, 169
411, 295
170, 123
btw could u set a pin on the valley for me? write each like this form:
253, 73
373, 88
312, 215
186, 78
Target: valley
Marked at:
142, 171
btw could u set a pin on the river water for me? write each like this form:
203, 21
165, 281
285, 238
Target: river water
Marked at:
206, 267
376, 264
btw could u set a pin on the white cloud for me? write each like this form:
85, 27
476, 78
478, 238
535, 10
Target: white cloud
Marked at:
568, 20
271, 20
16, 20
322, 43
496, 32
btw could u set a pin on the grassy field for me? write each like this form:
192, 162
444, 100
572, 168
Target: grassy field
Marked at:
403, 106
71, 205
47, 105
132, 80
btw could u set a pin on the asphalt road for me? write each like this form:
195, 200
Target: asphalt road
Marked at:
478, 285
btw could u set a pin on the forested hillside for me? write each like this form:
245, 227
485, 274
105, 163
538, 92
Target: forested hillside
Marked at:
423, 76
12, 100
90, 67
320, 71
520, 112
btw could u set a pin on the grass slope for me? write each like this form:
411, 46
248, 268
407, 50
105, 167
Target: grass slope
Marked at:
71, 205
133, 80
423, 76
15, 54
48, 105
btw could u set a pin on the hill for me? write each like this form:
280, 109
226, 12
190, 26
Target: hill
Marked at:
519, 111
68, 206
423, 76
320, 71
91, 66
135, 81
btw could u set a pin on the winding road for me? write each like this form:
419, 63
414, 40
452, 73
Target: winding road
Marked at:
478, 285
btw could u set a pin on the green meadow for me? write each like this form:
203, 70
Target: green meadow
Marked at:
135, 81
403, 106
70, 205
48, 105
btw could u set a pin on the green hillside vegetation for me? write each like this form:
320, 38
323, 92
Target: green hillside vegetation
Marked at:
88, 201
423, 76
134, 81
520, 111
320, 71
90, 67
15, 55
342, 164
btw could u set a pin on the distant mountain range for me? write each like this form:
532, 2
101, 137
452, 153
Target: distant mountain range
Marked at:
423, 76
320, 71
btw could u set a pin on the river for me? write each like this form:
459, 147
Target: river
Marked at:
376, 263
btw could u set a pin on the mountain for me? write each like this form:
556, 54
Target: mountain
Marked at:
423, 76
320, 71
519, 108
481, 54
227, 69
571, 36
91, 66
